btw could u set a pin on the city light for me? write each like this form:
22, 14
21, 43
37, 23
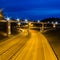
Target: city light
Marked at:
26, 20
17, 19
56, 22
7, 18
19, 23
38, 21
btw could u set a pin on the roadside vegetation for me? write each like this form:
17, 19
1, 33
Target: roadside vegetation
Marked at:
53, 37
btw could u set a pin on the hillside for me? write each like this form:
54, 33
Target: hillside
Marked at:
51, 19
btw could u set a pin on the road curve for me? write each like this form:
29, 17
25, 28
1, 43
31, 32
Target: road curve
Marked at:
35, 47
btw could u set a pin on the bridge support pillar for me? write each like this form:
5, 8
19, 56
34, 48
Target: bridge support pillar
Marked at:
42, 28
8, 28
18, 24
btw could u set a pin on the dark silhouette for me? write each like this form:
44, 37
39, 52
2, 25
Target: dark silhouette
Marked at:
51, 19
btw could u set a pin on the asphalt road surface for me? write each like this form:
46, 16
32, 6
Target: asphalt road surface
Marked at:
32, 46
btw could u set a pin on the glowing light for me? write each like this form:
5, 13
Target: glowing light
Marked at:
38, 21
19, 23
54, 25
26, 20
56, 22
29, 23
17, 19
8, 18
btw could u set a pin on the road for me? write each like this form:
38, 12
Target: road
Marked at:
27, 47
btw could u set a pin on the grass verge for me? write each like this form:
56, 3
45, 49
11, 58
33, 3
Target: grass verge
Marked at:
53, 37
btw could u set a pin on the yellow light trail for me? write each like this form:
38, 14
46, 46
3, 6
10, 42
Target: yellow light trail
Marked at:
36, 48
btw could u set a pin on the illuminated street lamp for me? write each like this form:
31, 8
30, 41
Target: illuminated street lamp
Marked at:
26, 20
7, 18
17, 19
56, 22
38, 21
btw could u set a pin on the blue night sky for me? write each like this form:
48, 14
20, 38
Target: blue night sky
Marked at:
31, 9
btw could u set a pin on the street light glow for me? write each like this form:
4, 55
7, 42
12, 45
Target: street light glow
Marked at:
8, 18
38, 21
17, 19
26, 20
56, 22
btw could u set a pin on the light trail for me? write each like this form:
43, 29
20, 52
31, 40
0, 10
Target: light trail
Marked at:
34, 48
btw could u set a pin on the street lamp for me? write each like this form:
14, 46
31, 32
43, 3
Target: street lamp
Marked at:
26, 20
7, 18
56, 22
38, 21
17, 19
